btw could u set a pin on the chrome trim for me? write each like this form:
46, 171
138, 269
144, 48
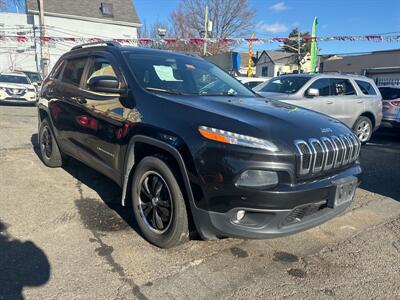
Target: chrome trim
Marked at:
314, 168
352, 147
339, 145
346, 149
326, 140
348, 145
303, 171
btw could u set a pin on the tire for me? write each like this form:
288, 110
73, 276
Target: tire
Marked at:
158, 203
363, 129
49, 150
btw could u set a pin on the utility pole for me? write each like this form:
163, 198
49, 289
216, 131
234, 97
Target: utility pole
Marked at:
298, 52
44, 49
205, 31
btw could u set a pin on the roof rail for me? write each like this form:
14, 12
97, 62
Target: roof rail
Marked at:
342, 73
100, 43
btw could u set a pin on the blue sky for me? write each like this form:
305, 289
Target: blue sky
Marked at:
336, 17
277, 18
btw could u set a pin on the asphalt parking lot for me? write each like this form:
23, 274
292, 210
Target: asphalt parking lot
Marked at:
64, 235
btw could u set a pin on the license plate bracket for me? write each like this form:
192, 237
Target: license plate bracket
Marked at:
345, 191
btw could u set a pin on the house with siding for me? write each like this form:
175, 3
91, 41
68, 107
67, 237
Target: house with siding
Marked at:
275, 63
104, 19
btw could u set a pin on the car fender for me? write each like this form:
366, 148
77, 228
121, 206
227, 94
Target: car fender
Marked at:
130, 162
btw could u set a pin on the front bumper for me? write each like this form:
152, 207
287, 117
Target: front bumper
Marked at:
29, 97
304, 206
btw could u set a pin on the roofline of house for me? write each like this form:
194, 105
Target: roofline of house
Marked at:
359, 53
98, 20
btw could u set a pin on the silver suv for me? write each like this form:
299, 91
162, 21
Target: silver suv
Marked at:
354, 100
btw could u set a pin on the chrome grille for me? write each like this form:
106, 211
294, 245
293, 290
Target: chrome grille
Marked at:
317, 155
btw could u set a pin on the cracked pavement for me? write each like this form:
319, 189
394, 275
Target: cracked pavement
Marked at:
64, 235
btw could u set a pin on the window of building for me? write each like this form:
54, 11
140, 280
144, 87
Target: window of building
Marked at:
107, 9
366, 87
264, 71
341, 87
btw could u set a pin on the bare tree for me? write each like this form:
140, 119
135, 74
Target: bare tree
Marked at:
230, 18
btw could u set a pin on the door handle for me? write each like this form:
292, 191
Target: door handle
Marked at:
360, 101
329, 102
79, 100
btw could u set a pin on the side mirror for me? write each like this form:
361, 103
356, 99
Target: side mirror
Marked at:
105, 84
312, 92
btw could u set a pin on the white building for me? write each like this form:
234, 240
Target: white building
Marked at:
104, 19
274, 63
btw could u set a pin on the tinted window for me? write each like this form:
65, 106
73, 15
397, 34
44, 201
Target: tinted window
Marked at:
283, 84
14, 79
342, 87
252, 84
100, 67
57, 70
322, 85
390, 93
183, 75
366, 87
73, 71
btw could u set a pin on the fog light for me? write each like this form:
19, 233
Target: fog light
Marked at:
257, 179
240, 215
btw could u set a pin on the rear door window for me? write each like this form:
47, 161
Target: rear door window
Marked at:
390, 93
74, 70
342, 87
322, 85
366, 88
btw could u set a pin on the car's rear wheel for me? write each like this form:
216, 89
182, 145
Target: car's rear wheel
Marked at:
49, 151
363, 129
158, 203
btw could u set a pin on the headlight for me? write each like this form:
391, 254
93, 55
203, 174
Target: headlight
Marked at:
258, 179
228, 137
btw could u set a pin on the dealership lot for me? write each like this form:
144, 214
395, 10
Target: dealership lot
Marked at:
66, 236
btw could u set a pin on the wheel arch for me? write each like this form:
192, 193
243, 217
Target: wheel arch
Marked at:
370, 116
156, 147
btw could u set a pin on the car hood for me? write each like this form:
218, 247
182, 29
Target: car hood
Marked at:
275, 96
260, 117
16, 85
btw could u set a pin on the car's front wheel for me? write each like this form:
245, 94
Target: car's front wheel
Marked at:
158, 203
49, 151
363, 129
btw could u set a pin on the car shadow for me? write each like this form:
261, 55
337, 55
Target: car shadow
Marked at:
22, 264
380, 160
97, 216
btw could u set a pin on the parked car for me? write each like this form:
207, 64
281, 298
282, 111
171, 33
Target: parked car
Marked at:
186, 152
35, 78
16, 88
252, 82
391, 105
354, 100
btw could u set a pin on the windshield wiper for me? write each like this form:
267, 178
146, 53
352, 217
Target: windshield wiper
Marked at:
173, 92
219, 94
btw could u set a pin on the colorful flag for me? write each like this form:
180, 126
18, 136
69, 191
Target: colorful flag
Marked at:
314, 48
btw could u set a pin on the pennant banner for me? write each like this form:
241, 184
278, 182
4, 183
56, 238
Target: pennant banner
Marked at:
196, 41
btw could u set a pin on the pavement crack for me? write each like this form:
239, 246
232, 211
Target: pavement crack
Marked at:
105, 251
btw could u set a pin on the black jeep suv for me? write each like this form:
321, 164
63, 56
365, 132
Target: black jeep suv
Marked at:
190, 145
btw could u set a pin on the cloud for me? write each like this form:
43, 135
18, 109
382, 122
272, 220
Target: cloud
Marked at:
280, 6
272, 28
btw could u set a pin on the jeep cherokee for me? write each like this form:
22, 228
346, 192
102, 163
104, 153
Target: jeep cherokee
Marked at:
192, 148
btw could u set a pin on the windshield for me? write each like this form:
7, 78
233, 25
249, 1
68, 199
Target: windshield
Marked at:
283, 84
14, 79
183, 75
34, 77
